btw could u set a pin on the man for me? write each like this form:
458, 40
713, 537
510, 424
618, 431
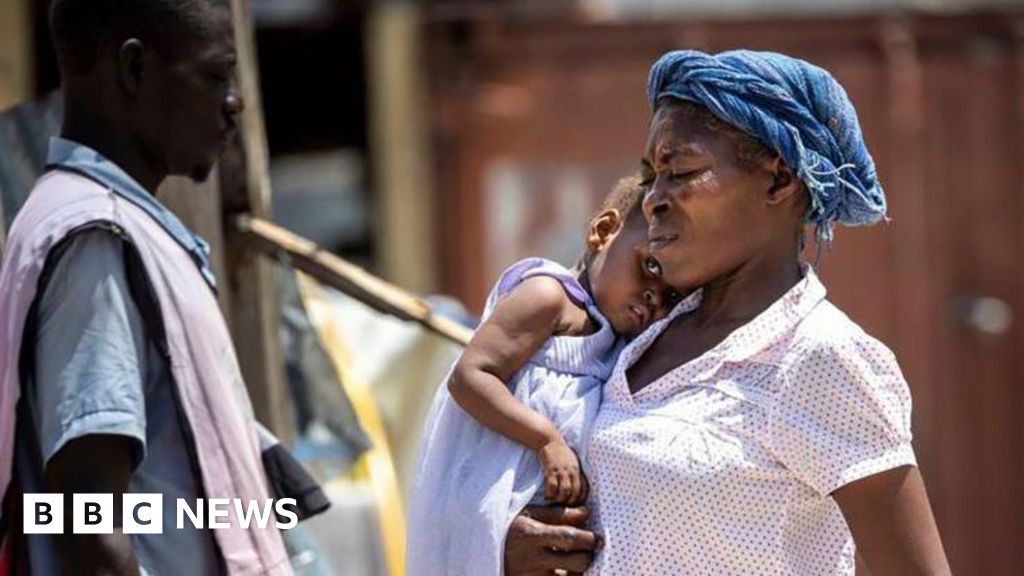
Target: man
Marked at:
116, 359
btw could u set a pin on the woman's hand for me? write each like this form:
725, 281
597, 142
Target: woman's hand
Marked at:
892, 524
564, 482
543, 539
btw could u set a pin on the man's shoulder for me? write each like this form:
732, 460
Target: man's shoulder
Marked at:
92, 251
56, 194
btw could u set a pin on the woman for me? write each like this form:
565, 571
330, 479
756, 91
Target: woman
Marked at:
757, 429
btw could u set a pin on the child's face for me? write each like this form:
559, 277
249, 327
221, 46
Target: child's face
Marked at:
625, 280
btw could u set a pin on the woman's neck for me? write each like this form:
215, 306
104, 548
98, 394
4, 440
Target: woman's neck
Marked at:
739, 296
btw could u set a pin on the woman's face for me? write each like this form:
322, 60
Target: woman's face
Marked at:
708, 212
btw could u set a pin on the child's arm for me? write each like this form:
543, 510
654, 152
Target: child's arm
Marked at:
520, 324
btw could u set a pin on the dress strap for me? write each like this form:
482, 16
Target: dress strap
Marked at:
528, 268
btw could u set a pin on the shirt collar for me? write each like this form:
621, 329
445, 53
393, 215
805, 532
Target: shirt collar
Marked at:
68, 155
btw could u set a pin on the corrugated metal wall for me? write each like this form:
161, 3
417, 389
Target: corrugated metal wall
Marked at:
537, 119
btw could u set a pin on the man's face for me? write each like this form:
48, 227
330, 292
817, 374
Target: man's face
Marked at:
191, 100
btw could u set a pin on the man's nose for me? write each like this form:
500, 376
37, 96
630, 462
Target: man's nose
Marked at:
234, 104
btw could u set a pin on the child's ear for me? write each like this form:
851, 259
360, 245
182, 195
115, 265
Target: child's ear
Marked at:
603, 229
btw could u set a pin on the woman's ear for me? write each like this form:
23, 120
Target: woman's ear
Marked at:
603, 229
784, 183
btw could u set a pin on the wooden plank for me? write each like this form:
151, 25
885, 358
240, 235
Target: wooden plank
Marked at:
16, 64
953, 468
338, 273
406, 244
255, 306
908, 205
3, 232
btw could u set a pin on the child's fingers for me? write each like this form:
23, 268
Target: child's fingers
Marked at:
574, 478
584, 487
551, 487
564, 487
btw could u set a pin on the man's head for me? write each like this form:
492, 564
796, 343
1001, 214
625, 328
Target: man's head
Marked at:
159, 72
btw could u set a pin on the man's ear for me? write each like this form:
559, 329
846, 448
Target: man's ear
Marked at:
130, 65
603, 229
784, 184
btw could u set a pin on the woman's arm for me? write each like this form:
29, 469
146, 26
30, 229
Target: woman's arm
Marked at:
892, 523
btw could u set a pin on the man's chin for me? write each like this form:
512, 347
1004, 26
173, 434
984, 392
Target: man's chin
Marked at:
201, 174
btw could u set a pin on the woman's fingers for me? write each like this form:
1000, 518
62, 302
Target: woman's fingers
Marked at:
567, 539
544, 539
559, 515
572, 562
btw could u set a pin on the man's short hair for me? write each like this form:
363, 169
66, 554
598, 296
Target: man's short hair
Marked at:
86, 31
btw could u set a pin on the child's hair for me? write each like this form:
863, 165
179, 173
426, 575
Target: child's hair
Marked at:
627, 197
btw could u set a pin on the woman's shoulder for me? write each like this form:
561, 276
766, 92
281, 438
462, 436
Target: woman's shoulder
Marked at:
828, 335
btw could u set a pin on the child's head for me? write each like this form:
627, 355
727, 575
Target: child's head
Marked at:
624, 279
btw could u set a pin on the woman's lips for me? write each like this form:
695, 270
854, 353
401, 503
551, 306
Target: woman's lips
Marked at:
660, 241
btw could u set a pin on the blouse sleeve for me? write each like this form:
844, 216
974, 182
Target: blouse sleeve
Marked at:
843, 414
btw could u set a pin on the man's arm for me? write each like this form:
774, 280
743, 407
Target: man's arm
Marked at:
543, 539
88, 388
892, 524
95, 464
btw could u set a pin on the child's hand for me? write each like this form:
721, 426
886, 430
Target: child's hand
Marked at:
564, 481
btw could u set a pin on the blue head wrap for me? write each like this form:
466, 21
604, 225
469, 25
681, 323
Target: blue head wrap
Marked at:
795, 108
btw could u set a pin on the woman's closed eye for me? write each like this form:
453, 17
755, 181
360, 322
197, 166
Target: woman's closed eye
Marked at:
691, 177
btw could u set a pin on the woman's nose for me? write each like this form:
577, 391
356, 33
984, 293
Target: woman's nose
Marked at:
655, 202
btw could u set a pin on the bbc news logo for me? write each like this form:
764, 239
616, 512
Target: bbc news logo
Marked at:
143, 513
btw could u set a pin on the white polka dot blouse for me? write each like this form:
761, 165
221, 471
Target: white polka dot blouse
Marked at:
725, 465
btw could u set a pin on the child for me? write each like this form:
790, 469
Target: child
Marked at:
532, 373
